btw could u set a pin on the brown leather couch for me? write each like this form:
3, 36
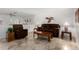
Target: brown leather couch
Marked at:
53, 28
19, 31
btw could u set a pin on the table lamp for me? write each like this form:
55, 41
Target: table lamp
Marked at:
66, 25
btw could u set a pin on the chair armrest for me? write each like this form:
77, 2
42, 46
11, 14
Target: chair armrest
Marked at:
25, 31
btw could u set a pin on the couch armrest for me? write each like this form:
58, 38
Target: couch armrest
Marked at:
39, 29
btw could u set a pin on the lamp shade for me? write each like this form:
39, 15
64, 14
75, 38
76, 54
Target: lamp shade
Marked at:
66, 24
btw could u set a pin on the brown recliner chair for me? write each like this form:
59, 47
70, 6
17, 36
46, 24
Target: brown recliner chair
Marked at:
19, 31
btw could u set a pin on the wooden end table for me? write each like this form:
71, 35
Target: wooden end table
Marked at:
48, 34
63, 32
10, 36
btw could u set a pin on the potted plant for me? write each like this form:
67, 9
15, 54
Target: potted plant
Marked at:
10, 29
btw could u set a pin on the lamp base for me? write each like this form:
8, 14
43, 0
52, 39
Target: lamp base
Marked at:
66, 29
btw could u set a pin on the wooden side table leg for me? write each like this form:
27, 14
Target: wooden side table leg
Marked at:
33, 35
49, 37
62, 35
70, 36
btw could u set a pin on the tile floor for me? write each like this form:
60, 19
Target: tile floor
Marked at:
32, 43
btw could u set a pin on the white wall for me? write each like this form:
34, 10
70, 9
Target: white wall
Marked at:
4, 25
64, 14
60, 15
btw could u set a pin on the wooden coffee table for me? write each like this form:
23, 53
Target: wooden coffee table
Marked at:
48, 34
